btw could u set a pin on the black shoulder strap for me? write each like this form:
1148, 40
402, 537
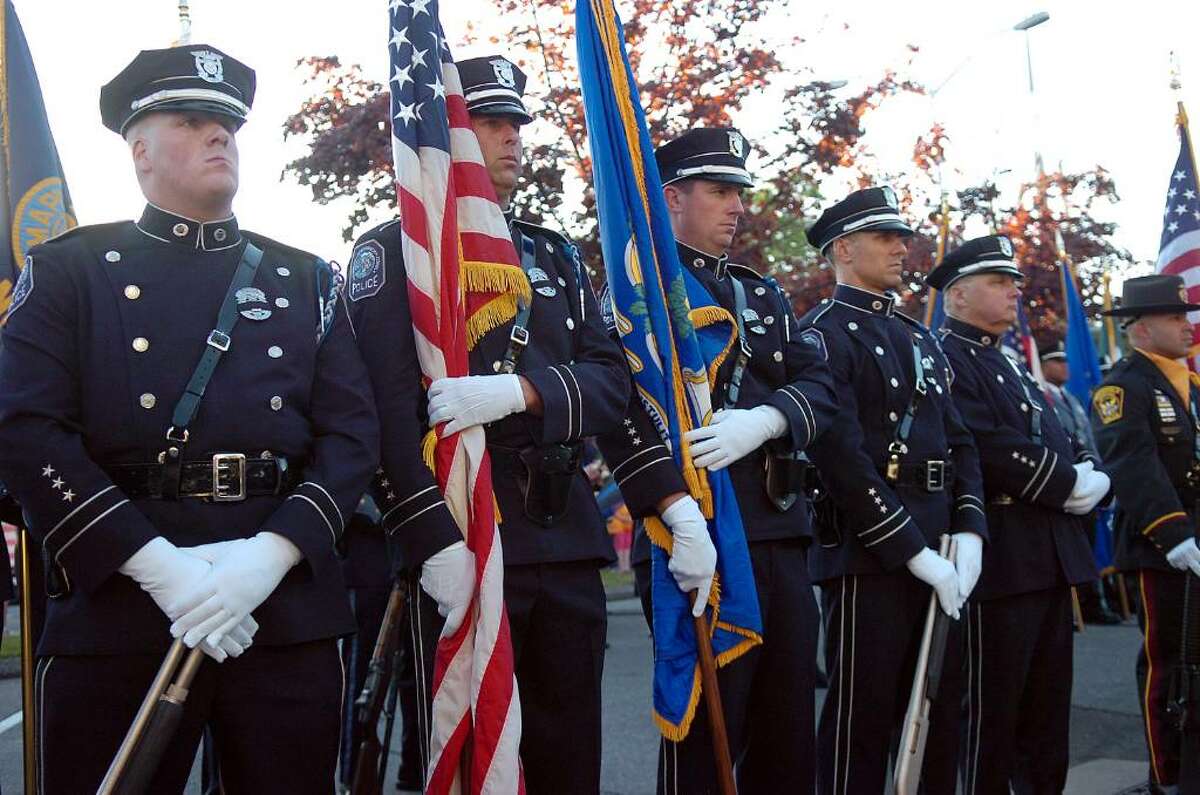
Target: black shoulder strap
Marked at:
518, 338
217, 344
743, 357
1035, 408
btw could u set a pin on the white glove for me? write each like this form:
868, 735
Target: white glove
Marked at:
474, 400
238, 583
449, 579
733, 433
1185, 555
167, 573
1090, 487
968, 562
930, 567
693, 557
238, 639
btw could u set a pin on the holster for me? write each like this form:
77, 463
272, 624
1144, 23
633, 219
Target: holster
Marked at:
784, 479
546, 480
825, 515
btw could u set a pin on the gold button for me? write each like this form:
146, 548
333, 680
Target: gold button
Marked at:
141, 344
276, 403
133, 292
180, 230
147, 400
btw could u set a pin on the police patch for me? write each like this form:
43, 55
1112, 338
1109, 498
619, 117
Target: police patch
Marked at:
367, 273
1109, 402
22, 290
815, 338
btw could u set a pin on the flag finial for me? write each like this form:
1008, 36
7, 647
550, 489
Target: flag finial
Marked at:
185, 23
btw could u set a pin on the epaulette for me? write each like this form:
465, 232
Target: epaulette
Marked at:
264, 242
533, 229
107, 231
912, 321
375, 231
744, 271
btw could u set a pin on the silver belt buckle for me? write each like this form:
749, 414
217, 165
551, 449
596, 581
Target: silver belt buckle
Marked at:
935, 475
226, 467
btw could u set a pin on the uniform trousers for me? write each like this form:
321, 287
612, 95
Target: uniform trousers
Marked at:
558, 620
1018, 699
274, 713
1161, 620
873, 629
767, 694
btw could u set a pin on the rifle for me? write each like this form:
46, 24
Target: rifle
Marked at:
1184, 701
926, 681
154, 725
371, 761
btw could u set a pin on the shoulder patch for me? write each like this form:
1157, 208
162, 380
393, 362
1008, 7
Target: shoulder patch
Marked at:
22, 290
606, 311
814, 337
367, 270
1109, 402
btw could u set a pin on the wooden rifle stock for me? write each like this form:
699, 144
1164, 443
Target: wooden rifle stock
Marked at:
154, 725
368, 772
926, 679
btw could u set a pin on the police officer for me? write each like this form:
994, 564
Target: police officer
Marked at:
1145, 418
900, 470
774, 397
186, 422
545, 375
1040, 483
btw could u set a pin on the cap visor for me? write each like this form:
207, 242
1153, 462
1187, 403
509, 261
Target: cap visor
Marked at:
1153, 309
502, 109
193, 105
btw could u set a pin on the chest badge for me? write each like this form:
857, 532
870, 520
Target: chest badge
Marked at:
252, 303
1109, 402
1166, 409
540, 281
753, 321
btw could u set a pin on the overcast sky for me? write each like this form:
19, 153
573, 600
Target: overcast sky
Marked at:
1100, 71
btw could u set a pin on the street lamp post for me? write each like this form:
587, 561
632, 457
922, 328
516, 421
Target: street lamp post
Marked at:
1025, 25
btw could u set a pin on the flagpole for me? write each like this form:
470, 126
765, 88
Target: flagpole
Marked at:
943, 234
1110, 327
185, 23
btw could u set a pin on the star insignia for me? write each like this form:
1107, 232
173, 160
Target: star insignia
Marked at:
390, 495
48, 471
871, 492
57, 483
637, 440
882, 509
384, 483
68, 495
627, 422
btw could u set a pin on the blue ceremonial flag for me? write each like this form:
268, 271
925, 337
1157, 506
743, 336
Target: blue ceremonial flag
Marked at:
1082, 361
35, 203
675, 337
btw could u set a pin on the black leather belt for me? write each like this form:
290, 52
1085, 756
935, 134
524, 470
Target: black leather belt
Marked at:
226, 477
929, 475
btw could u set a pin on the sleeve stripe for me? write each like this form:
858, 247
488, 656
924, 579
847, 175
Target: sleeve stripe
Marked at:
805, 410
970, 497
889, 535
578, 398
1036, 472
1046, 479
651, 449
86, 527
644, 466
406, 501
320, 513
570, 413
332, 501
1150, 528
68, 517
972, 508
415, 515
882, 524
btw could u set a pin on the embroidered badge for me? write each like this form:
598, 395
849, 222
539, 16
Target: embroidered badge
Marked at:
503, 70
24, 287
815, 338
539, 280
1109, 402
252, 303
367, 274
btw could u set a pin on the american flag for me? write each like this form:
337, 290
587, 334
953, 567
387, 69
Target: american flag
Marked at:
1179, 248
454, 236
1020, 346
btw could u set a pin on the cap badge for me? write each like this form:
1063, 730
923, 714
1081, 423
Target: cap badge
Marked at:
737, 144
504, 73
1006, 247
889, 196
208, 66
